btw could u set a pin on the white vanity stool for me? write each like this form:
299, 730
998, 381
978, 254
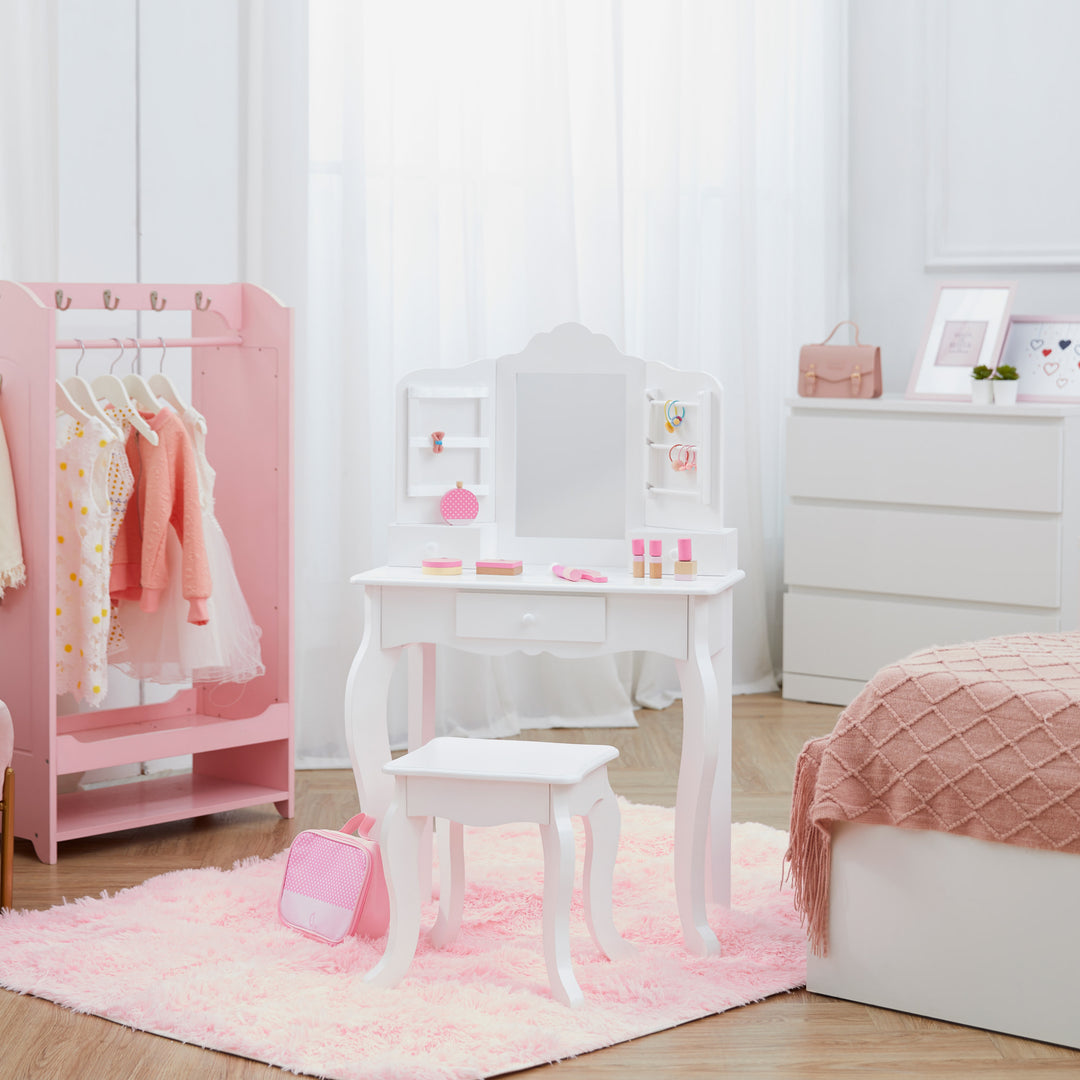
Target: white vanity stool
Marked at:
489, 782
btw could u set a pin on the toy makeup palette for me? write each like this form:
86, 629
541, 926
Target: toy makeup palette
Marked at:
444, 567
498, 566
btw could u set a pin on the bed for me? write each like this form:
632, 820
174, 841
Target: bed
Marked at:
935, 834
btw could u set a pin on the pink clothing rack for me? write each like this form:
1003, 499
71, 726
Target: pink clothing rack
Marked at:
240, 737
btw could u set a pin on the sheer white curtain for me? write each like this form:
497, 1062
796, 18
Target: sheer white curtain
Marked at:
28, 133
667, 174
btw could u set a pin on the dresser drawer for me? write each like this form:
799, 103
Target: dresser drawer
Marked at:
531, 617
957, 556
851, 637
970, 462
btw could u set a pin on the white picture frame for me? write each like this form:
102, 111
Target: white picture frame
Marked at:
966, 328
1045, 350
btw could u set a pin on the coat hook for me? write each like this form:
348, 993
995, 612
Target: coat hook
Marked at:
199, 303
154, 302
60, 300
106, 297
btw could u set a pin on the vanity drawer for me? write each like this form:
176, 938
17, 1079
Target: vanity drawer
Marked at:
531, 617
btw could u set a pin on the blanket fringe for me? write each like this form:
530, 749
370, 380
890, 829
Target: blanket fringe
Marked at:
12, 578
808, 857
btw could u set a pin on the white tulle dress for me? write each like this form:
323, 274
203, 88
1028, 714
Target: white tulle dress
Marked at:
162, 646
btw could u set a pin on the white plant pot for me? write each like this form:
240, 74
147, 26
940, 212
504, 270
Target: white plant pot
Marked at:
1005, 391
982, 391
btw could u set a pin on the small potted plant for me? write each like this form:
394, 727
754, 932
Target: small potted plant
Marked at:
1006, 381
982, 392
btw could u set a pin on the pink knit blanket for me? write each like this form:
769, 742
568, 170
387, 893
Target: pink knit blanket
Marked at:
980, 739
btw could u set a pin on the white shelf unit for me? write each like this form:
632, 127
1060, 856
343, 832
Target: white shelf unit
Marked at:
477, 477
910, 524
695, 429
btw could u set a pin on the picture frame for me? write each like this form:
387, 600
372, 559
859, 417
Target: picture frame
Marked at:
1045, 350
967, 326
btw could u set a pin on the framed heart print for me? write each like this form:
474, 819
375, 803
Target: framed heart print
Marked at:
1045, 350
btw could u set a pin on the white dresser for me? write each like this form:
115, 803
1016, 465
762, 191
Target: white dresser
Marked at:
911, 524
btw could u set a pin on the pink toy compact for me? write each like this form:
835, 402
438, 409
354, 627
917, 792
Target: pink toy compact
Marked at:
459, 505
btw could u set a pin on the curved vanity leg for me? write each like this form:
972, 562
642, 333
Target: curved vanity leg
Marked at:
452, 883
400, 842
719, 869
601, 848
697, 770
558, 840
365, 711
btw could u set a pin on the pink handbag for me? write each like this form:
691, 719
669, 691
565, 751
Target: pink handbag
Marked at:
334, 884
840, 371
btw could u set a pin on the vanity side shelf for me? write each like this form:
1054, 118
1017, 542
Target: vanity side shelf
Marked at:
241, 737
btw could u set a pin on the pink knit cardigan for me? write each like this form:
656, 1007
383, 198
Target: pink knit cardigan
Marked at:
166, 494
980, 739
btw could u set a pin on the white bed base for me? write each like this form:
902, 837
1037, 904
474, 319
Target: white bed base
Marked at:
954, 928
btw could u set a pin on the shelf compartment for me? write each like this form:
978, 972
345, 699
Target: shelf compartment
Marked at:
151, 802
451, 442
448, 391
163, 736
432, 491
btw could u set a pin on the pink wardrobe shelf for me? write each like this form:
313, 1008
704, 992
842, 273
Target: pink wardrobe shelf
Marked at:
240, 736
151, 802
165, 736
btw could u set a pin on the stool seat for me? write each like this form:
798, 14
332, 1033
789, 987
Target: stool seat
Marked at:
491, 759
492, 782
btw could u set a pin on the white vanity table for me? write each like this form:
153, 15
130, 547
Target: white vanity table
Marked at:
566, 467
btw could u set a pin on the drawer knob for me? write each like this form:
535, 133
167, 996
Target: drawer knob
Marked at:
528, 619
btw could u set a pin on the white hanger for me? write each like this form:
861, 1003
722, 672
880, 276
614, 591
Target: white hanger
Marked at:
65, 405
112, 390
82, 395
138, 387
164, 387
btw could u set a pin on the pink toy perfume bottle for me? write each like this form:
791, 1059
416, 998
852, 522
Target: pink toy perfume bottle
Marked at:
656, 558
685, 565
637, 549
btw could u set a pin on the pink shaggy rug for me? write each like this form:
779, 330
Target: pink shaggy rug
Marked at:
199, 956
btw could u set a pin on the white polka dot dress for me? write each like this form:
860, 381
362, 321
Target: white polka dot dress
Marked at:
82, 557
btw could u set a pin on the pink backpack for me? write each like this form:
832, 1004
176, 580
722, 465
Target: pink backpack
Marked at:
334, 883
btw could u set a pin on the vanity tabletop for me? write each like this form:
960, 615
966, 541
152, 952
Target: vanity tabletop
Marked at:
539, 578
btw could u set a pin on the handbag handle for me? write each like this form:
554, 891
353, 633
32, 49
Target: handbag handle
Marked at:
846, 322
359, 823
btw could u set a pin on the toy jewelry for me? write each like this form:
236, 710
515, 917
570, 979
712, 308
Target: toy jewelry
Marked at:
674, 414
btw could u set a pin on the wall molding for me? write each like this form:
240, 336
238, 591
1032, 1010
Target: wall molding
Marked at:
940, 253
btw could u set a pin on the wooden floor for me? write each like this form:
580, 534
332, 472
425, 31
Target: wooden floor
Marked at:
791, 1035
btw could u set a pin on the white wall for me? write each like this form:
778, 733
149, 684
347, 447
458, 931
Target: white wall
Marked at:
964, 159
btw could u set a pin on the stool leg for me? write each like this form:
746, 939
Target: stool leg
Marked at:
601, 848
400, 842
558, 840
451, 883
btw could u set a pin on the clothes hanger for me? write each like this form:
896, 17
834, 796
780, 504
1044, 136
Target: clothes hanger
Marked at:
138, 387
65, 404
112, 390
83, 395
165, 388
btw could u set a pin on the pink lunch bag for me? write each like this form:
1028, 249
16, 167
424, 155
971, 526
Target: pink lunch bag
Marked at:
334, 883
